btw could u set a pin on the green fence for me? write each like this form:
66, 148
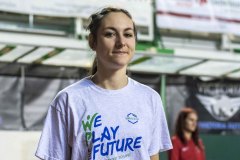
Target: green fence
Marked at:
218, 147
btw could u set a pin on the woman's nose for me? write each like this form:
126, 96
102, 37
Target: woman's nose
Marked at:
120, 41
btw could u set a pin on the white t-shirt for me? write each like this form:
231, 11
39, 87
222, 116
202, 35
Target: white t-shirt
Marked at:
87, 122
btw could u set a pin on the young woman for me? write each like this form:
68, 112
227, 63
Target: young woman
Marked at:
106, 116
186, 143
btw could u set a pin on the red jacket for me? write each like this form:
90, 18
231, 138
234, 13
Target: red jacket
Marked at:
188, 151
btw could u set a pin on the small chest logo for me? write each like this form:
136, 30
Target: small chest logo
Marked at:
184, 149
132, 118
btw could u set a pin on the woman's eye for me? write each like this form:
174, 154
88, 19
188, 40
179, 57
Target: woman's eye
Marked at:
109, 34
128, 35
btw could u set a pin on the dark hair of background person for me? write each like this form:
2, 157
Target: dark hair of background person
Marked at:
95, 22
180, 124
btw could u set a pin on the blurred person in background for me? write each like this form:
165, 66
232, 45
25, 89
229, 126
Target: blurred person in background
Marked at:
106, 115
186, 143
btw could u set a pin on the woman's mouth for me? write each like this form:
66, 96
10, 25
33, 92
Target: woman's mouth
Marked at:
119, 52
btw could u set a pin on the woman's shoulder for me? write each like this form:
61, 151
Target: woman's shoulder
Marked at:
175, 139
177, 143
201, 143
74, 89
142, 87
70, 94
76, 86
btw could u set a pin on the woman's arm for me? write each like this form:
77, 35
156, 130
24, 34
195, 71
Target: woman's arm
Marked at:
155, 157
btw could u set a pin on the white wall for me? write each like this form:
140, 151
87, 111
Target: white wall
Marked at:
18, 145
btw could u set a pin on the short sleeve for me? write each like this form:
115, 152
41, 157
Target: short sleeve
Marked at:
53, 142
160, 140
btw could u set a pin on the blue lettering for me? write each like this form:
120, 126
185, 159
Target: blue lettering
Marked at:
120, 148
233, 125
105, 134
137, 142
95, 150
114, 131
94, 139
120, 145
111, 144
212, 125
107, 143
102, 150
128, 144
97, 121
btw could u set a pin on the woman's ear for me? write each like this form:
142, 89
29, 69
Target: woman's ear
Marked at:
91, 42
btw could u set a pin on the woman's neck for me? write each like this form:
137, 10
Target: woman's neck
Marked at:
111, 80
187, 135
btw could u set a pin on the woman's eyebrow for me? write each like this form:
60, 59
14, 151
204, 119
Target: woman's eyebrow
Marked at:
113, 28
129, 29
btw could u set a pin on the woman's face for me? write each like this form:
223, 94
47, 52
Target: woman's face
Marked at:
115, 44
191, 122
